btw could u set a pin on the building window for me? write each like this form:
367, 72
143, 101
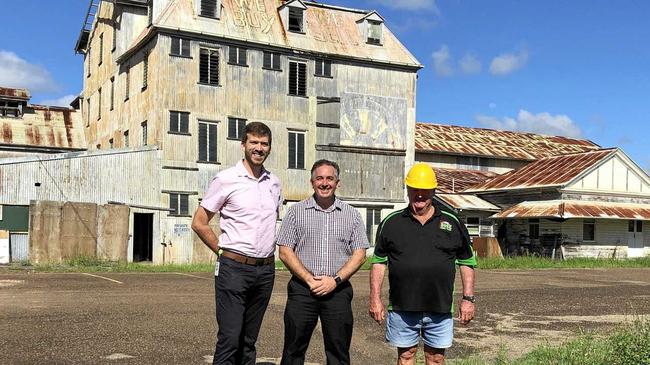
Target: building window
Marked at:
180, 47
533, 228
272, 61
112, 96
323, 68
635, 226
145, 70
179, 204
210, 8
101, 49
373, 218
237, 56
88, 112
99, 104
99, 146
110, 143
296, 20
127, 83
296, 150
236, 128
11, 109
144, 133
179, 122
209, 66
374, 32
297, 78
588, 230
207, 141
88, 59
126, 138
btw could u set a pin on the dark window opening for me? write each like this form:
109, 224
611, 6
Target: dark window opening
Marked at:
237, 56
179, 204
296, 150
236, 128
272, 61
209, 66
296, 20
207, 142
209, 8
323, 68
179, 122
297, 78
180, 47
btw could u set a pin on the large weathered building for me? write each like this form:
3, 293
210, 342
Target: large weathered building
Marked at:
186, 75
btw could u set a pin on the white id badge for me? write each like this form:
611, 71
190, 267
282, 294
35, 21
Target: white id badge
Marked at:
216, 268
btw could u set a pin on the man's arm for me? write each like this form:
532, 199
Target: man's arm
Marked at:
292, 262
327, 284
200, 225
376, 308
466, 307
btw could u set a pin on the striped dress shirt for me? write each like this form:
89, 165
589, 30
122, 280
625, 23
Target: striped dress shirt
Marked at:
323, 239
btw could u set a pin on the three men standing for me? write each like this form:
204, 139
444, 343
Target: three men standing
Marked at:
421, 245
247, 198
323, 243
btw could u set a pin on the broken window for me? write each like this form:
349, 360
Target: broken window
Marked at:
296, 20
207, 141
179, 122
209, 66
296, 150
297, 78
237, 56
272, 61
180, 47
236, 128
323, 68
374, 32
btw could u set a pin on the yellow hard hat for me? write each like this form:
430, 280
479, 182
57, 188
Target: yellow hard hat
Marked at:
421, 176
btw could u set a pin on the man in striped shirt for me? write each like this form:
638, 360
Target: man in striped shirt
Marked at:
323, 243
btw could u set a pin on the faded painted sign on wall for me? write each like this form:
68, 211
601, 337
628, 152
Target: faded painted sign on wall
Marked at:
373, 121
253, 15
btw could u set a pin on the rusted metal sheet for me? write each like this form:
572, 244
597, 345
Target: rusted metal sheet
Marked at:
576, 209
39, 126
551, 171
454, 181
494, 143
329, 30
467, 202
14, 94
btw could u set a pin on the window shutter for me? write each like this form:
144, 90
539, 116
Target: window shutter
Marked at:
204, 59
203, 142
293, 77
301, 151
212, 142
185, 119
209, 8
214, 67
302, 79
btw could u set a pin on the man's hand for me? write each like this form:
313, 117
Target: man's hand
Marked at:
377, 310
466, 312
323, 285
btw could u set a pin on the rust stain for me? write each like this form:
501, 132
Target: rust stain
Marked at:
453, 180
47, 115
67, 121
576, 209
36, 137
22, 94
7, 134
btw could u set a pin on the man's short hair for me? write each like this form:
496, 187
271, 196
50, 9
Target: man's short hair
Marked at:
324, 162
258, 129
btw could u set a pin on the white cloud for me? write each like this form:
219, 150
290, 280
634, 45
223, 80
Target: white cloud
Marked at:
507, 63
409, 4
62, 101
541, 123
442, 62
17, 73
469, 64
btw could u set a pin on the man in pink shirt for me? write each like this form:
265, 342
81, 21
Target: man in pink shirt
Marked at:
247, 198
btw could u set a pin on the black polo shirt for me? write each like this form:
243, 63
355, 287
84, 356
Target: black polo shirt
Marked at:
422, 259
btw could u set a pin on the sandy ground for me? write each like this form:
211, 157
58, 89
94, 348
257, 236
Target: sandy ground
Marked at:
168, 318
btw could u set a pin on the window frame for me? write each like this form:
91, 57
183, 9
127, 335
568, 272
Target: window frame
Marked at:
217, 9
274, 56
101, 49
144, 129
112, 95
295, 141
179, 122
213, 159
184, 46
586, 223
238, 130
145, 71
175, 204
371, 40
211, 52
300, 17
298, 73
238, 56
99, 104
127, 82
323, 68
533, 228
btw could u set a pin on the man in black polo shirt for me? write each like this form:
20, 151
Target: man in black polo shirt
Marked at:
421, 245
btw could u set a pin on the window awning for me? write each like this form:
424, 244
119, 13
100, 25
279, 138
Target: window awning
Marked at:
565, 209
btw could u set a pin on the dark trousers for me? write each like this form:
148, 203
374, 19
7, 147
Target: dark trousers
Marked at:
242, 293
301, 315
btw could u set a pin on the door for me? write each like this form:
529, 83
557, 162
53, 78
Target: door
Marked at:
19, 245
635, 239
142, 237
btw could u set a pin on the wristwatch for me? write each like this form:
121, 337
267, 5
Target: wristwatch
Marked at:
469, 298
337, 279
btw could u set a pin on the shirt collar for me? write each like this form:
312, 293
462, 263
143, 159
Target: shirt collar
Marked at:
408, 213
311, 203
241, 171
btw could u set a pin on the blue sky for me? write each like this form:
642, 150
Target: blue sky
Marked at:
577, 68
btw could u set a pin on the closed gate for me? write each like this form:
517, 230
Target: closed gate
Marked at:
19, 245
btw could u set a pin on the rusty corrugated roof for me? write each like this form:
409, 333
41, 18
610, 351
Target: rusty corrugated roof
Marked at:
467, 202
14, 94
451, 139
547, 172
42, 126
330, 30
454, 180
576, 209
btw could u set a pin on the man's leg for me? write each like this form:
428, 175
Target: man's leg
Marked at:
406, 355
337, 322
230, 291
257, 301
434, 356
300, 317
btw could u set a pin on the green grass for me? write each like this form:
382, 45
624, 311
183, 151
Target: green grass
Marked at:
532, 262
628, 345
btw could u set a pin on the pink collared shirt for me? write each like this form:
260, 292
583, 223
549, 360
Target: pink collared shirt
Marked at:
248, 209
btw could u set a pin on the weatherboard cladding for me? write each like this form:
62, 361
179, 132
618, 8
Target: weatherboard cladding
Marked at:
450, 139
551, 171
42, 126
576, 209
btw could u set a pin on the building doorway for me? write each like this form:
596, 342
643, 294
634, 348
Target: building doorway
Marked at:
142, 237
635, 239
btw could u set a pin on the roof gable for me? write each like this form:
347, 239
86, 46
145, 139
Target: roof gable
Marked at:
372, 16
294, 4
616, 174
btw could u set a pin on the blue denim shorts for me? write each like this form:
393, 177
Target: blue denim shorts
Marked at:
404, 329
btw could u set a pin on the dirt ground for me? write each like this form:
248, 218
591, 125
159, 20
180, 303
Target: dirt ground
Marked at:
168, 318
